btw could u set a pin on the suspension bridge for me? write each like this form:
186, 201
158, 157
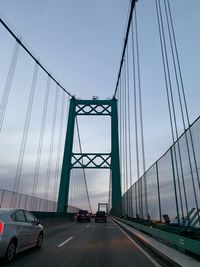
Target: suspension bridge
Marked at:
46, 167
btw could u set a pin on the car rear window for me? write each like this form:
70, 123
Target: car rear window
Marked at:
83, 212
100, 213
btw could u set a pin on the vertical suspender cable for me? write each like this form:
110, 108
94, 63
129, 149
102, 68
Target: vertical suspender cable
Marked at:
135, 113
178, 62
174, 64
167, 88
122, 140
129, 134
180, 102
118, 96
25, 132
51, 147
121, 135
183, 93
140, 105
76, 185
140, 94
8, 85
172, 104
165, 72
189, 158
41, 138
109, 195
84, 174
185, 105
125, 136
57, 170
168, 71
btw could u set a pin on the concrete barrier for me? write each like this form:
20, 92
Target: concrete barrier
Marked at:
49, 219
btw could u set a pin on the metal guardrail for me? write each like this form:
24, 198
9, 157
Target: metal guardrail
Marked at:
180, 242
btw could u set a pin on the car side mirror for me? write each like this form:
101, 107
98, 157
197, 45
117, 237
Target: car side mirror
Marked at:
38, 222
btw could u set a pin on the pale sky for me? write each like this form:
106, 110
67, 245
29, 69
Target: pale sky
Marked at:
80, 41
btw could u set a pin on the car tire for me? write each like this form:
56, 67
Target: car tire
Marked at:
39, 241
10, 252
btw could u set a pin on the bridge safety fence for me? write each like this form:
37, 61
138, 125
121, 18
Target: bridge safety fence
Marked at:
29, 203
25, 202
169, 191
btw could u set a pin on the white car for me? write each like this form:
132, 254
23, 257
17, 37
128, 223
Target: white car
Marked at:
19, 230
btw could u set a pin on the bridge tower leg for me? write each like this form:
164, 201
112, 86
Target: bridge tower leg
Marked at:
66, 165
115, 167
96, 107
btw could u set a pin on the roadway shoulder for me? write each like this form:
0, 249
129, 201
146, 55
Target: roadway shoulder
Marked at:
164, 253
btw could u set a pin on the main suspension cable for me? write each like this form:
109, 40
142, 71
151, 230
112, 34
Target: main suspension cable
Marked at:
125, 44
21, 43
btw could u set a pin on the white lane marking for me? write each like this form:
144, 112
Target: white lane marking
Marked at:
88, 225
141, 249
63, 243
110, 227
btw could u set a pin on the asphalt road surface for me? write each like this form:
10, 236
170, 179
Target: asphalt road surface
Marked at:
85, 245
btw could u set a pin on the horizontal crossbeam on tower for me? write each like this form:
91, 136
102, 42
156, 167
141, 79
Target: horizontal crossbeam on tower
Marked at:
93, 110
91, 160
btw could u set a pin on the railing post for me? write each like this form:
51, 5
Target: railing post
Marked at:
2, 198
173, 173
159, 205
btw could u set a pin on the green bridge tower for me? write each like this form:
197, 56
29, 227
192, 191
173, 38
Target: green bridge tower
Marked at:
72, 160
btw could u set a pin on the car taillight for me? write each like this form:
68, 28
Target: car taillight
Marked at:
1, 227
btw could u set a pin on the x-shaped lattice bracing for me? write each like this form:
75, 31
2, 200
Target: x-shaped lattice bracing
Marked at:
93, 110
91, 160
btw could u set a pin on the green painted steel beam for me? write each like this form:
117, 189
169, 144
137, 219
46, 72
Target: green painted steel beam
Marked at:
94, 102
115, 165
107, 160
93, 110
66, 166
88, 160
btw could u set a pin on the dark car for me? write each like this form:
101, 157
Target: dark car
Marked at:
101, 216
83, 215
